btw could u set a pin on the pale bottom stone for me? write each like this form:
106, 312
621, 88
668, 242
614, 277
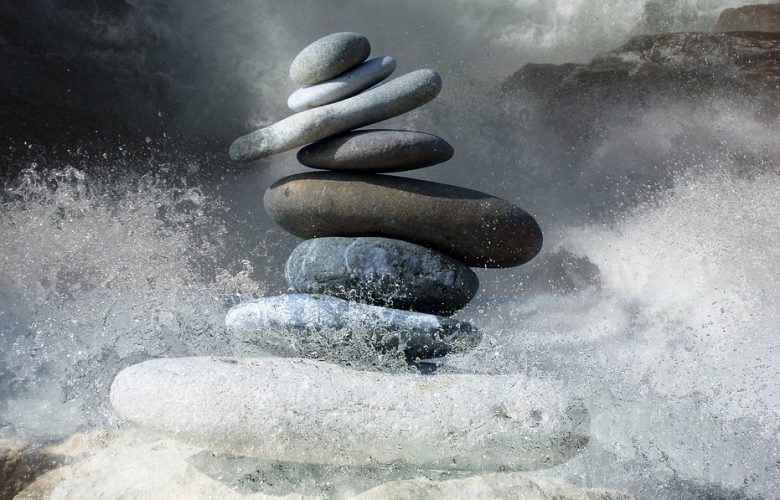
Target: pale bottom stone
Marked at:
306, 411
489, 487
136, 464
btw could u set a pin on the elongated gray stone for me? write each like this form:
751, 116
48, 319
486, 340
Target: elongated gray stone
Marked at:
342, 86
393, 98
381, 271
318, 326
377, 151
475, 228
307, 411
329, 56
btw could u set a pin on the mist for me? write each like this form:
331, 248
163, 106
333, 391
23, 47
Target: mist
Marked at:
127, 233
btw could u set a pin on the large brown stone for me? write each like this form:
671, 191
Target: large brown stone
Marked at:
478, 229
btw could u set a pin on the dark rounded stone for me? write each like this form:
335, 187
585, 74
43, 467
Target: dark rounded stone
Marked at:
381, 271
377, 151
329, 56
477, 229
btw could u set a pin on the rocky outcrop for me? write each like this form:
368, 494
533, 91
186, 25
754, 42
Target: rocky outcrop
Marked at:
762, 17
652, 69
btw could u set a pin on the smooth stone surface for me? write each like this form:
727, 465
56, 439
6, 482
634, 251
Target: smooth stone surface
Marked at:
377, 151
318, 326
393, 98
314, 412
329, 56
475, 228
381, 271
509, 486
345, 85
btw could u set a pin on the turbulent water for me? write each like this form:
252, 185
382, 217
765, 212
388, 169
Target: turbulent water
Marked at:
654, 297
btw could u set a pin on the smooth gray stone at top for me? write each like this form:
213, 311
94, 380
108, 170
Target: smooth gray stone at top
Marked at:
393, 98
381, 271
475, 228
307, 411
377, 151
318, 326
342, 86
329, 56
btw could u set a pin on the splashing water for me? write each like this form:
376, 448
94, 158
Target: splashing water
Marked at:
654, 298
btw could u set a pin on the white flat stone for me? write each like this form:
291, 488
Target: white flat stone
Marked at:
314, 412
393, 98
345, 85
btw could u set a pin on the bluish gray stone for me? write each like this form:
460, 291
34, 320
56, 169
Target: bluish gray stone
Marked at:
377, 151
393, 98
342, 86
381, 271
329, 56
475, 228
318, 326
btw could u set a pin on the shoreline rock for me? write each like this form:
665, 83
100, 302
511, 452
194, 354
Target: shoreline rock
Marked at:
758, 17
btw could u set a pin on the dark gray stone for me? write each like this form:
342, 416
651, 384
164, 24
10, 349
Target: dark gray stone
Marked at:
342, 86
381, 271
477, 229
318, 326
394, 98
377, 151
329, 56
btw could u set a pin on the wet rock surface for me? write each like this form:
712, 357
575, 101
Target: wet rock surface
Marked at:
472, 227
323, 327
381, 271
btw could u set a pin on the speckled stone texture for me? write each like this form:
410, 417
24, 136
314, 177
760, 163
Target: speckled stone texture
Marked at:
307, 411
475, 228
377, 151
323, 327
329, 56
345, 85
381, 271
395, 97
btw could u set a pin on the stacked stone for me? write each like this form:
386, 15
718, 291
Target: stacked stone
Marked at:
387, 257
385, 262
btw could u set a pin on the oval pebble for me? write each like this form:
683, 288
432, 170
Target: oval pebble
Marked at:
381, 271
475, 228
377, 151
345, 85
318, 326
306, 411
329, 56
393, 98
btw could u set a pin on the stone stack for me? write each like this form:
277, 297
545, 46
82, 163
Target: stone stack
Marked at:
387, 259
384, 264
